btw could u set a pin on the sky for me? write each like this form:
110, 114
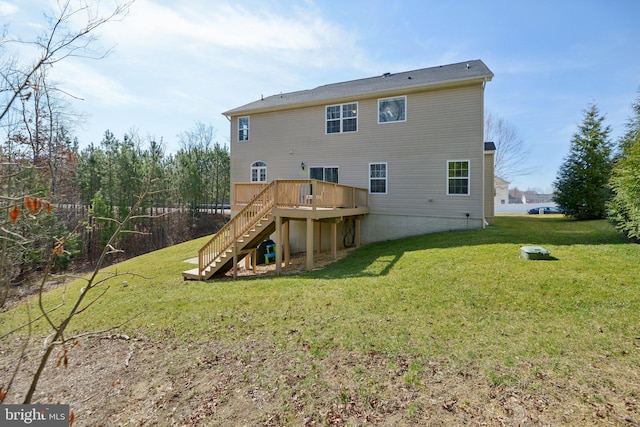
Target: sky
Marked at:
175, 63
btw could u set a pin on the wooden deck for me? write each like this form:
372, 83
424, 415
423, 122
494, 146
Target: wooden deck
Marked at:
259, 210
310, 198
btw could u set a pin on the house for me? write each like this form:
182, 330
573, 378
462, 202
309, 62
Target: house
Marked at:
408, 145
531, 196
501, 192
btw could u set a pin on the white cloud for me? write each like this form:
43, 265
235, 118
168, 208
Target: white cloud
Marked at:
199, 27
7, 9
83, 81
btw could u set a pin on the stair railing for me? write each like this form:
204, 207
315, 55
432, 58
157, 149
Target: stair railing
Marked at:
238, 226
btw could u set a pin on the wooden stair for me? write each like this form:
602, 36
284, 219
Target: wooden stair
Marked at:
245, 231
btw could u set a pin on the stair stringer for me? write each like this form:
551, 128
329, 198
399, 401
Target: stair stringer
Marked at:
225, 263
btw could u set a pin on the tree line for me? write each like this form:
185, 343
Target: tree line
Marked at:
93, 188
54, 195
600, 178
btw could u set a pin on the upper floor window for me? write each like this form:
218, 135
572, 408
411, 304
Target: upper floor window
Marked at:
458, 177
258, 172
392, 109
243, 128
342, 118
378, 178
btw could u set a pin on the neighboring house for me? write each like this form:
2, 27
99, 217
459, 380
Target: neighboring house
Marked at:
502, 192
528, 197
412, 140
535, 197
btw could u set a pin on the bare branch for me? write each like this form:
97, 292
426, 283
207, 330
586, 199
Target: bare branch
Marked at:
142, 233
60, 329
102, 332
59, 43
102, 218
511, 155
15, 235
31, 321
80, 310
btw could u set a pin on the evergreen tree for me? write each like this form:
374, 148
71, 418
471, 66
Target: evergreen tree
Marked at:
624, 208
633, 129
91, 168
581, 182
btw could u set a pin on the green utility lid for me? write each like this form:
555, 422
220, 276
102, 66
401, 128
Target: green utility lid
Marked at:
534, 252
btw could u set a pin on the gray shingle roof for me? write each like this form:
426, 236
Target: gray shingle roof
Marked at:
422, 78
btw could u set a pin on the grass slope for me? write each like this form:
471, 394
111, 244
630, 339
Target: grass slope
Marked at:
466, 301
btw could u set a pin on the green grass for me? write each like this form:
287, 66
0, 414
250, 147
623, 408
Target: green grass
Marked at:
461, 296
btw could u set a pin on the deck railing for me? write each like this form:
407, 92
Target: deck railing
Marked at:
305, 193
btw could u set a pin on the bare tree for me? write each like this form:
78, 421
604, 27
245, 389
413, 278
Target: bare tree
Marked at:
86, 298
21, 83
30, 118
57, 43
512, 154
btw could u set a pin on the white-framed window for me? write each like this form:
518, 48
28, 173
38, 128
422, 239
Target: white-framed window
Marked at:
342, 118
392, 109
458, 177
324, 173
243, 128
258, 172
378, 178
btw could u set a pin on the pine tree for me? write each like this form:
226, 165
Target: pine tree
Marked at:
581, 182
624, 208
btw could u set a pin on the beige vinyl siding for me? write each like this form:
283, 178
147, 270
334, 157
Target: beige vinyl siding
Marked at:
489, 189
444, 124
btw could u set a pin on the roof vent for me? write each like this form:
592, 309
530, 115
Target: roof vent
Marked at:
386, 75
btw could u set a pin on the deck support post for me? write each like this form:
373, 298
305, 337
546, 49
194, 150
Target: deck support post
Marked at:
287, 243
319, 234
357, 231
334, 240
310, 244
278, 244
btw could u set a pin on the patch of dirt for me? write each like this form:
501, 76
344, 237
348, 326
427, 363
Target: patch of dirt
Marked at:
121, 381
297, 264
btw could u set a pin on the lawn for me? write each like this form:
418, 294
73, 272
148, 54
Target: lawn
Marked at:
448, 328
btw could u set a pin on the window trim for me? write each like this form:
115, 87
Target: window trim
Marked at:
468, 177
241, 129
380, 100
386, 177
341, 119
258, 168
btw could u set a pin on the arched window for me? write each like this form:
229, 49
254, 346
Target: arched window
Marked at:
258, 172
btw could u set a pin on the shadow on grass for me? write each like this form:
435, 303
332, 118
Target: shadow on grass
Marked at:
378, 259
